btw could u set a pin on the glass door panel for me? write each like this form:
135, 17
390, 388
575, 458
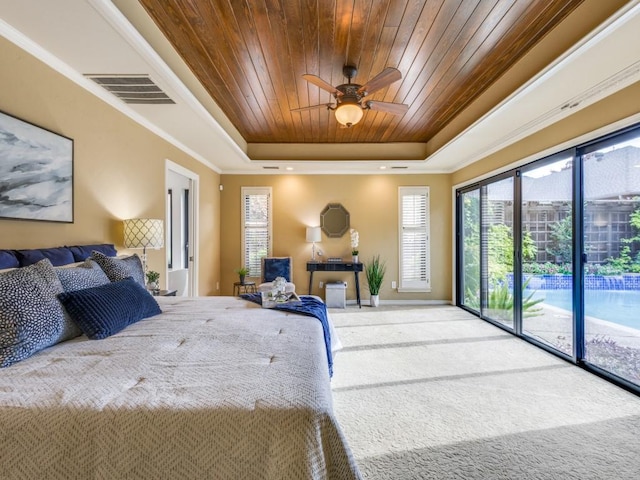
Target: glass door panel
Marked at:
612, 253
470, 249
547, 254
497, 251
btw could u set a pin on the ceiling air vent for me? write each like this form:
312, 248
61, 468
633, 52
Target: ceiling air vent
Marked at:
271, 168
138, 89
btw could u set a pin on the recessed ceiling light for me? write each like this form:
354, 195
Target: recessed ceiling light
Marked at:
383, 167
289, 168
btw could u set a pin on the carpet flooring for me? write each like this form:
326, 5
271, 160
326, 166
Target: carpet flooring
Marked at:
436, 393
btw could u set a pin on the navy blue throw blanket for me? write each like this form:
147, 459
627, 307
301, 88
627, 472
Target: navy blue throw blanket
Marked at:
309, 306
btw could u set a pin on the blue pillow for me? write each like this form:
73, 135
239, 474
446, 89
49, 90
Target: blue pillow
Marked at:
57, 256
105, 310
8, 259
82, 252
277, 267
86, 275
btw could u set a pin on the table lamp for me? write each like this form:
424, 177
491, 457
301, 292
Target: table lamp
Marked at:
144, 233
314, 234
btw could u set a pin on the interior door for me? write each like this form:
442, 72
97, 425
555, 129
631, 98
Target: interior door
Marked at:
180, 226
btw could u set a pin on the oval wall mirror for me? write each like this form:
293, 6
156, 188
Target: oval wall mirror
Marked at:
334, 220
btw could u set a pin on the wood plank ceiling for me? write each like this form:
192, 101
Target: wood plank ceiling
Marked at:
250, 55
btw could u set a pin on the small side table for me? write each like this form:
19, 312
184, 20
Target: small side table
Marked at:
246, 287
163, 293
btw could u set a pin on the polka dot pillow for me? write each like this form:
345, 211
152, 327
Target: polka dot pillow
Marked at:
120, 268
31, 317
86, 275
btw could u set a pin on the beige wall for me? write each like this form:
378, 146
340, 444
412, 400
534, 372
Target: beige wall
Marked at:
119, 166
372, 202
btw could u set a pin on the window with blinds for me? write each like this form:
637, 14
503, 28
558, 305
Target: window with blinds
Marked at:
256, 227
415, 268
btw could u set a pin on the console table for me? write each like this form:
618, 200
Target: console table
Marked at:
336, 267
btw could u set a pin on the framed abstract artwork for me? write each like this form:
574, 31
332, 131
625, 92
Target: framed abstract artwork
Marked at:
36, 172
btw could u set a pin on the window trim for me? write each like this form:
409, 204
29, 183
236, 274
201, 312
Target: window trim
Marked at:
426, 286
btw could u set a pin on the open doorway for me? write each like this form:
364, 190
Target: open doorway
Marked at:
182, 228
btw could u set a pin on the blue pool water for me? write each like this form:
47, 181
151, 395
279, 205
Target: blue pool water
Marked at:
617, 306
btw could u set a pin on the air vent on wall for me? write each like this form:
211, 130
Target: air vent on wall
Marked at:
138, 89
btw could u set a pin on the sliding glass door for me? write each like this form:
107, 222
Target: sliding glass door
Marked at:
470, 249
497, 251
612, 252
547, 252
551, 251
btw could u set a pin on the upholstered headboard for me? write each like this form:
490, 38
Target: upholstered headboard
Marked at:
57, 255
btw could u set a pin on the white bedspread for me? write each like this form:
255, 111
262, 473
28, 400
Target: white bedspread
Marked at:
213, 388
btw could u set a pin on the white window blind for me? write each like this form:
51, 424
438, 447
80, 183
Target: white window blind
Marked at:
256, 227
415, 255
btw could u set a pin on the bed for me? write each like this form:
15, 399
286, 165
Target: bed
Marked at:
213, 387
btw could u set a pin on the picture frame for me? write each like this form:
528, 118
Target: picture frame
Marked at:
36, 172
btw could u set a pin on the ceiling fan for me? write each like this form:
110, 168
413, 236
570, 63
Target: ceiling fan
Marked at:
351, 98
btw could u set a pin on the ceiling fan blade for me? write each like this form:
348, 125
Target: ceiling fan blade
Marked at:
318, 82
394, 108
313, 107
384, 78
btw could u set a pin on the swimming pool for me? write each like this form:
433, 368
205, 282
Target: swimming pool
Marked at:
617, 306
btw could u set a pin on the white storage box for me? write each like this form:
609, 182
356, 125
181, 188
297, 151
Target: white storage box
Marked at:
335, 295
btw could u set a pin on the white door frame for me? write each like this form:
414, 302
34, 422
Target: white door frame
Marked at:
193, 221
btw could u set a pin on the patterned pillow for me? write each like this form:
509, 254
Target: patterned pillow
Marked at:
30, 314
120, 268
103, 311
86, 275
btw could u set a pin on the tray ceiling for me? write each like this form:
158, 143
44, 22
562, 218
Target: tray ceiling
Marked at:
250, 57
470, 76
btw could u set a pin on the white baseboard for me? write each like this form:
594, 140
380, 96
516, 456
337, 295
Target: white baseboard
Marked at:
404, 302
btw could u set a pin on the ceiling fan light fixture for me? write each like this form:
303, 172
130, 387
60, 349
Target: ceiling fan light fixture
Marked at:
348, 114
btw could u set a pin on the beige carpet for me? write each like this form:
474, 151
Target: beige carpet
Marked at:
435, 393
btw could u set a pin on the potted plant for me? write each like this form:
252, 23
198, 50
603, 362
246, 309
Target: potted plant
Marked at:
242, 273
374, 271
355, 240
152, 280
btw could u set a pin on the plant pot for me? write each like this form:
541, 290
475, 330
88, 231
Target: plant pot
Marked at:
354, 258
153, 286
242, 279
374, 301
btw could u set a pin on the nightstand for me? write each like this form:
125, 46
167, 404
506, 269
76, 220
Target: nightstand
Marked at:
164, 293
